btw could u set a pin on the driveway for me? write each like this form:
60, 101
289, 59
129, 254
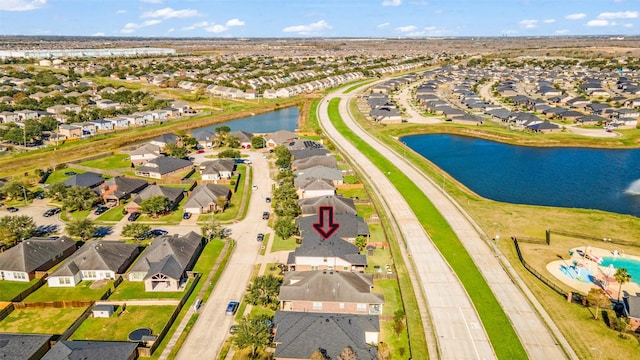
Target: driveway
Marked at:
36, 210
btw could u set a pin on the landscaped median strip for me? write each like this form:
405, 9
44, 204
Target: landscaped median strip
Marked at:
500, 331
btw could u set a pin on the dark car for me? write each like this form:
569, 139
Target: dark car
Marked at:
233, 329
267, 199
101, 210
265, 215
232, 307
40, 195
260, 237
158, 232
12, 209
186, 215
133, 216
51, 212
70, 173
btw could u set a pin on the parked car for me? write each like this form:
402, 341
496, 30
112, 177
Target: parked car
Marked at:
260, 237
197, 304
233, 329
158, 232
12, 209
133, 216
232, 307
186, 215
101, 209
40, 195
51, 212
201, 151
265, 215
70, 173
254, 187
267, 199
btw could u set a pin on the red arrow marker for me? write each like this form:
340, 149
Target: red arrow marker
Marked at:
328, 227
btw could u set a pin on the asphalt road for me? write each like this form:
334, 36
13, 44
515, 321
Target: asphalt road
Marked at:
459, 335
212, 327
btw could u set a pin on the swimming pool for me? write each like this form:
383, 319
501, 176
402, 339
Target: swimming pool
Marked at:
577, 273
632, 266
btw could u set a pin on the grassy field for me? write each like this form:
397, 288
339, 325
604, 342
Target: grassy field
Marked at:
134, 290
82, 291
280, 244
501, 334
112, 215
118, 327
59, 175
116, 161
10, 289
399, 343
40, 321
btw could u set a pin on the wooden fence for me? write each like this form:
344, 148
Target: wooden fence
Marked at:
31, 289
64, 304
6, 311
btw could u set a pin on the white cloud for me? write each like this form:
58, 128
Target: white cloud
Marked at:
132, 27
392, 3
577, 16
599, 23
407, 29
562, 32
313, 28
628, 25
383, 25
234, 22
528, 24
98, 34
171, 30
121, 11
152, 1
549, 21
168, 13
21, 5
215, 28
618, 15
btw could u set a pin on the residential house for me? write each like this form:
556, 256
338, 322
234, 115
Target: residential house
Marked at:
280, 137
21, 262
298, 335
300, 154
24, 346
204, 138
351, 226
165, 139
632, 310
8, 116
205, 198
92, 350
102, 125
120, 188
314, 187
88, 179
118, 122
330, 292
96, 260
339, 203
107, 104
544, 127
88, 128
269, 94
164, 264
144, 154
244, 137
334, 175
163, 167
174, 195
218, 169
333, 253
70, 131
312, 161
27, 114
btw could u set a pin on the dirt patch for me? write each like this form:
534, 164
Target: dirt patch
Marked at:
98, 284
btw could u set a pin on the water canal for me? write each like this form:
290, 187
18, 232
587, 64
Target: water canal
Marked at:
284, 119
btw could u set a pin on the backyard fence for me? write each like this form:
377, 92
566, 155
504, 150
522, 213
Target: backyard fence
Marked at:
6, 311
64, 304
76, 324
29, 290
595, 238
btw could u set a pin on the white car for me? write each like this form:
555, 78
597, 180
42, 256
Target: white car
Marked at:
254, 187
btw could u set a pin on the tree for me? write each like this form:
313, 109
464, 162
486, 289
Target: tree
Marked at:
232, 141
211, 228
361, 242
252, 333
347, 354
15, 190
287, 207
283, 156
57, 191
619, 324
317, 355
82, 228
79, 198
189, 142
263, 291
622, 276
155, 205
285, 191
49, 123
285, 227
135, 230
14, 228
173, 150
222, 202
398, 321
229, 154
222, 130
257, 142
598, 298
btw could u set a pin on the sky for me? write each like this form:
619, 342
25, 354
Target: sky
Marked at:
318, 18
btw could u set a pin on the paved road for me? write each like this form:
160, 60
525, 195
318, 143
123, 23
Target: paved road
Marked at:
36, 210
458, 330
412, 115
525, 313
209, 332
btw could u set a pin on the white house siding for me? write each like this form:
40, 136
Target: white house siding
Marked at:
15, 276
64, 281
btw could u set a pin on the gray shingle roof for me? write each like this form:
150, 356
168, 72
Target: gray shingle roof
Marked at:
99, 255
164, 165
339, 203
331, 286
88, 179
22, 346
315, 184
299, 334
281, 136
156, 190
319, 172
328, 161
91, 350
168, 254
351, 225
205, 194
124, 186
31, 254
315, 246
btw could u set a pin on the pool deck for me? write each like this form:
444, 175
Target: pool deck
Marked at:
609, 283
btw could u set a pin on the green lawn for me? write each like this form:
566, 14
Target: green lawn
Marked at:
118, 327
80, 214
208, 256
58, 175
365, 210
283, 245
353, 193
500, 331
116, 161
265, 244
392, 303
10, 289
112, 215
82, 291
380, 258
134, 290
40, 321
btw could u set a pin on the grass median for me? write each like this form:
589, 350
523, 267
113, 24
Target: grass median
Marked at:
496, 323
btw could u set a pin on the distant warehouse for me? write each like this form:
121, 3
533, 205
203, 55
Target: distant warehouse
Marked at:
85, 53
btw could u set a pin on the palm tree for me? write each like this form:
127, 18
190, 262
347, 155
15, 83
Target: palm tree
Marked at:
622, 276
